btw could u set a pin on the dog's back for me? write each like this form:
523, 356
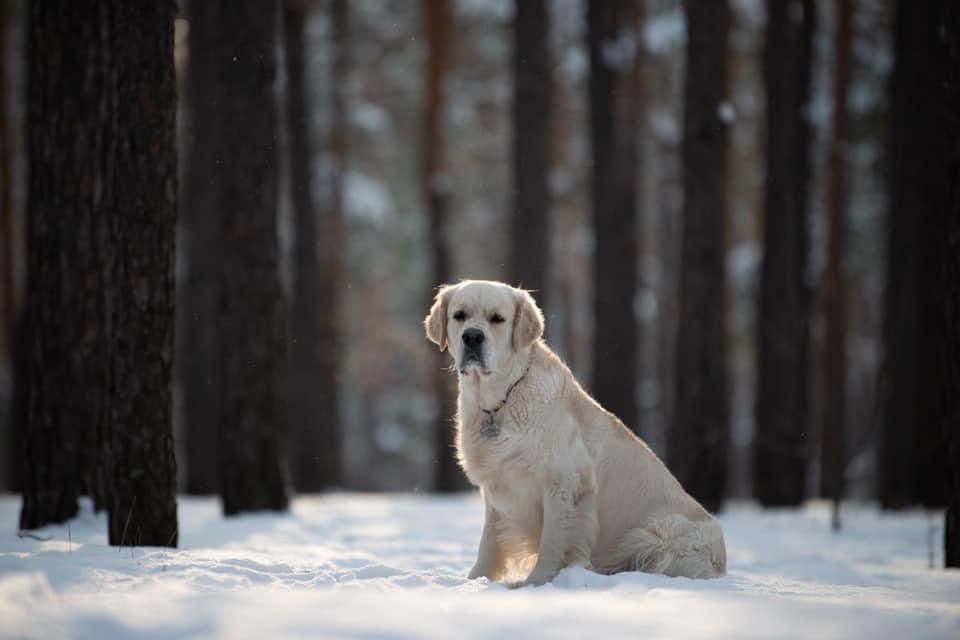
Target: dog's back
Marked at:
647, 521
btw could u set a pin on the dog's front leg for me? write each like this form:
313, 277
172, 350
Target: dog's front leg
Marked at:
569, 527
491, 560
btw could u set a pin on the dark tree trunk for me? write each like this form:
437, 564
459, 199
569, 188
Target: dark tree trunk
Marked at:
951, 236
531, 148
698, 441
197, 332
912, 459
780, 448
315, 457
833, 380
614, 96
251, 344
142, 170
62, 378
438, 24
99, 323
8, 302
9, 423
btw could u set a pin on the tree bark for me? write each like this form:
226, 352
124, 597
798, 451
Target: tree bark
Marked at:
142, 174
197, 301
781, 447
99, 314
438, 24
912, 459
833, 381
699, 438
10, 424
62, 378
951, 248
312, 381
531, 148
8, 297
251, 344
614, 97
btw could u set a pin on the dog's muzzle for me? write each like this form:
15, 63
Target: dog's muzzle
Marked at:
472, 351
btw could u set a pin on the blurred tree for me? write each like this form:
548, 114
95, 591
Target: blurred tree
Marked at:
951, 238
530, 255
313, 371
698, 440
833, 378
251, 326
7, 277
614, 123
61, 376
197, 358
438, 24
780, 447
101, 198
912, 458
9, 423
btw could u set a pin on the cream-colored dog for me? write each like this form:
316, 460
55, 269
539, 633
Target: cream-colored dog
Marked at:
564, 482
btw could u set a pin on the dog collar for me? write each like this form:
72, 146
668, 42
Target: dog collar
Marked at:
489, 427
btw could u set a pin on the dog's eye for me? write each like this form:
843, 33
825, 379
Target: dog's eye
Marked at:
496, 318
460, 316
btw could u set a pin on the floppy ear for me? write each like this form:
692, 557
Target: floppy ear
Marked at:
435, 323
527, 321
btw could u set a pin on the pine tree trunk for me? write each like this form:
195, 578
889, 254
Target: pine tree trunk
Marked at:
100, 267
698, 440
951, 248
315, 459
251, 344
197, 301
780, 449
531, 148
912, 459
614, 96
439, 29
9, 423
61, 377
833, 380
142, 170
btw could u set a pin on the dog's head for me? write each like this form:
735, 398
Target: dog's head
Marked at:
483, 324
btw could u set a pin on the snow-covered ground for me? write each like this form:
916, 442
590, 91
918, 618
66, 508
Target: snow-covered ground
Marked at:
393, 566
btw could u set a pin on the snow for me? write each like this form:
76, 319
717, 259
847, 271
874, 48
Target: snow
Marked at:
367, 198
726, 112
393, 566
665, 30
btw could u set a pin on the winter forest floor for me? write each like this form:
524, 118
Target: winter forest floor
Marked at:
393, 566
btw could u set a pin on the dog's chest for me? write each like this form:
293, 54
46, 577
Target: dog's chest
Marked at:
492, 452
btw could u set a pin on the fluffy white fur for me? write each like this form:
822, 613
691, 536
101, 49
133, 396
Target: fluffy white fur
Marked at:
564, 482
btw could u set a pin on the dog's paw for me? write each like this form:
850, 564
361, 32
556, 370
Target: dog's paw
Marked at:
478, 573
533, 580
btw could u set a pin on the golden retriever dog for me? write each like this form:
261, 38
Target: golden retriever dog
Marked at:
564, 482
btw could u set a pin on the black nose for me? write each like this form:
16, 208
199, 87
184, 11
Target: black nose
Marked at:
473, 338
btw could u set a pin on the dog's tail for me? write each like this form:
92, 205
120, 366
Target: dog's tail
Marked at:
675, 546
